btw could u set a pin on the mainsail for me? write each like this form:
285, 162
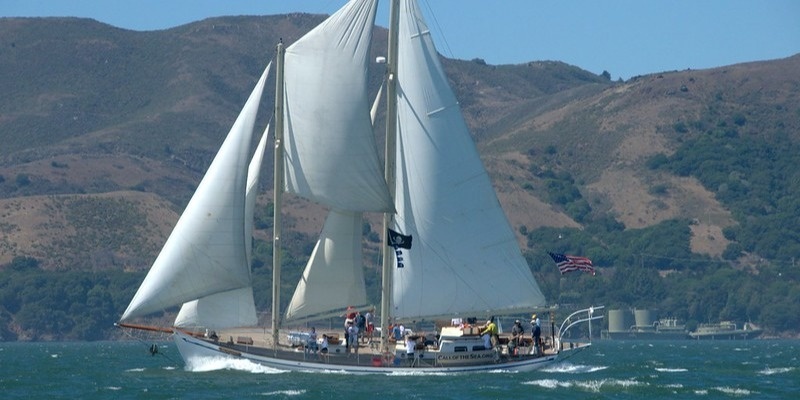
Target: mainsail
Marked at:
206, 252
465, 259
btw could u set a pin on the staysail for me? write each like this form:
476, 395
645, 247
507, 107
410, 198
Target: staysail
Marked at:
465, 259
206, 251
235, 307
334, 277
331, 156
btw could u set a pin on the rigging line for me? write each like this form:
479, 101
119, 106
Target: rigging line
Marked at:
439, 28
142, 341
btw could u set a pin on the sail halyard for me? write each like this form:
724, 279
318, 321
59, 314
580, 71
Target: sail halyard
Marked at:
465, 259
205, 253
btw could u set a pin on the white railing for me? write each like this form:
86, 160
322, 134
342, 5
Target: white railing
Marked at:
584, 315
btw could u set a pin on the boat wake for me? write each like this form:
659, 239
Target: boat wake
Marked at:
207, 364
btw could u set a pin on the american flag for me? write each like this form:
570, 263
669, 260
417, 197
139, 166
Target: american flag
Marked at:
572, 263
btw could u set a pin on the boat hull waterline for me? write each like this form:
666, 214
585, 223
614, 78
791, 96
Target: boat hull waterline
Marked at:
195, 349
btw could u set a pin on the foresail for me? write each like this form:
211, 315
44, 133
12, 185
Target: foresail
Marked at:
464, 258
333, 278
331, 156
205, 253
253, 175
236, 307
233, 308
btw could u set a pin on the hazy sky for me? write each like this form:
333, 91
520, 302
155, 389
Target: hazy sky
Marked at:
623, 37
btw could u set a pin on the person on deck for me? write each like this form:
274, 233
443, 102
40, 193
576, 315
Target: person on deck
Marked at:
397, 334
368, 317
361, 324
349, 319
311, 343
516, 337
537, 333
411, 344
352, 337
323, 351
490, 329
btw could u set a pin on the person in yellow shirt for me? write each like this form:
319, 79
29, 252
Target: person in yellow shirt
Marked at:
490, 328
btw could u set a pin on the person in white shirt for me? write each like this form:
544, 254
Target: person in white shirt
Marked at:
411, 343
537, 332
323, 351
352, 333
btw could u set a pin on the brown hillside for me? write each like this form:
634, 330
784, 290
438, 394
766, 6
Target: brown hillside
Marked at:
107, 132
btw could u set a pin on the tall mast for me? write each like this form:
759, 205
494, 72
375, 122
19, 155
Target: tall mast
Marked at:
278, 196
389, 171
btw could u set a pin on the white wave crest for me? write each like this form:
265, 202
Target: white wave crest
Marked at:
733, 391
773, 371
672, 370
285, 393
548, 383
567, 368
593, 386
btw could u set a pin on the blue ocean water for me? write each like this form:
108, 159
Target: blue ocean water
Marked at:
756, 369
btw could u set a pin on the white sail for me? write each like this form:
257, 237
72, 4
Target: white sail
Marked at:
235, 307
206, 251
253, 175
222, 310
464, 258
333, 278
331, 156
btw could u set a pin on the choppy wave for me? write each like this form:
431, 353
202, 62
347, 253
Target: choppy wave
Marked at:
594, 385
568, 368
733, 391
773, 371
285, 393
672, 370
